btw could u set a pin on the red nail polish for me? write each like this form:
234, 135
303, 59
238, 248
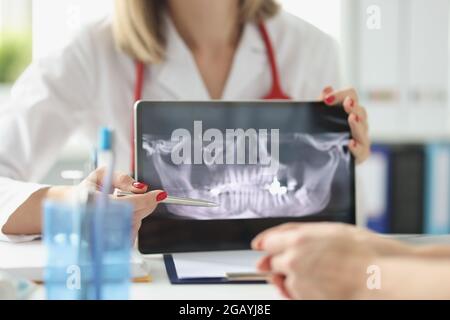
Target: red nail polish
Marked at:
352, 103
330, 100
328, 90
356, 118
161, 196
140, 185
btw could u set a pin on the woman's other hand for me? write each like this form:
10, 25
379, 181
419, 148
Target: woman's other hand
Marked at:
359, 145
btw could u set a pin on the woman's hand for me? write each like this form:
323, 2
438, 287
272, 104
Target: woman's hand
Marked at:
143, 203
322, 260
27, 219
357, 119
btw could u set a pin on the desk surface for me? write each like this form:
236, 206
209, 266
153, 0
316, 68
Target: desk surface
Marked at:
32, 254
161, 288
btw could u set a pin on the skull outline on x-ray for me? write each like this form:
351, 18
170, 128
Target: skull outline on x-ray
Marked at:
298, 188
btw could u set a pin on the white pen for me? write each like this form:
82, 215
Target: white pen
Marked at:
174, 200
248, 276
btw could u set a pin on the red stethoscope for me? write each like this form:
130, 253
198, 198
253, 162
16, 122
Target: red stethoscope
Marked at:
276, 91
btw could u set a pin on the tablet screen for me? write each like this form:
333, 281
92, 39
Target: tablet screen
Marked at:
262, 163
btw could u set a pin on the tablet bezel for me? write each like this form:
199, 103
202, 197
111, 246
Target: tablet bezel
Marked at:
207, 243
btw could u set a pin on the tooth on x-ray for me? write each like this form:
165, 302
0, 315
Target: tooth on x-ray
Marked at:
300, 186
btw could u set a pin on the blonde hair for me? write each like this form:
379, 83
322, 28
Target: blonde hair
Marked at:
138, 26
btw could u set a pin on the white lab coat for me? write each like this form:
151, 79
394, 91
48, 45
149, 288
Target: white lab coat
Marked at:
90, 83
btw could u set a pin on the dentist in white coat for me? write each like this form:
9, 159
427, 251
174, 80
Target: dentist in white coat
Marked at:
165, 50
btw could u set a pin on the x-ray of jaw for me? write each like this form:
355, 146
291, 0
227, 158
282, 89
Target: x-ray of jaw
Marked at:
301, 184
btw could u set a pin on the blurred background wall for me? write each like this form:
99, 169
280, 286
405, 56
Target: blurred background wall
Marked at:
395, 52
15, 41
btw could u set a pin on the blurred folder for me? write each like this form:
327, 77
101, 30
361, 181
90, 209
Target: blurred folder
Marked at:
437, 193
393, 188
407, 188
374, 176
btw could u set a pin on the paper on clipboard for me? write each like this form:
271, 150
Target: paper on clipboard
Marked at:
215, 264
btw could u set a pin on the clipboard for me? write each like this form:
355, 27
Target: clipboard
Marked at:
174, 279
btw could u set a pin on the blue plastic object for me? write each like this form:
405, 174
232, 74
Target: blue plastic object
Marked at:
71, 260
105, 139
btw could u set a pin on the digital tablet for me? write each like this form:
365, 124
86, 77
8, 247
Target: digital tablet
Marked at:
263, 163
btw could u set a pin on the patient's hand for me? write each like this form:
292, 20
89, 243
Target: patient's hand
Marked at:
144, 202
322, 260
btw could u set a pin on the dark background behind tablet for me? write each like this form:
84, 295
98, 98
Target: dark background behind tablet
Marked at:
162, 233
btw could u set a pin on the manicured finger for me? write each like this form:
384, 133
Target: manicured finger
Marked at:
257, 241
360, 132
147, 201
150, 200
325, 92
125, 183
358, 129
359, 151
338, 97
120, 181
360, 121
349, 104
139, 187
358, 111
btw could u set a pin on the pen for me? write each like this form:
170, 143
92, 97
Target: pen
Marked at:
174, 200
250, 276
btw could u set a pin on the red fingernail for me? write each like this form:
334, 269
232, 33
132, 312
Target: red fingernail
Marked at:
356, 118
161, 196
352, 103
140, 185
330, 100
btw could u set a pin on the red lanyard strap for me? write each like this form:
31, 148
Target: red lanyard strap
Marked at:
276, 92
139, 81
139, 84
